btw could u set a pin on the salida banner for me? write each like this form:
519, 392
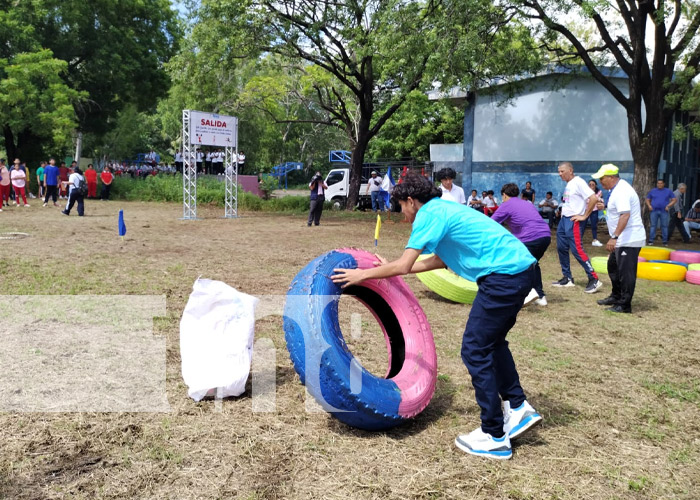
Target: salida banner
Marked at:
209, 129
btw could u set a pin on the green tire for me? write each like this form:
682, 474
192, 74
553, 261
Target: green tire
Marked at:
600, 264
448, 285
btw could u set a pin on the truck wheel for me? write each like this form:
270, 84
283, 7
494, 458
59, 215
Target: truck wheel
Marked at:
327, 367
338, 203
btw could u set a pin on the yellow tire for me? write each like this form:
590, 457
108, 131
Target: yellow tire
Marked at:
448, 285
693, 267
660, 271
655, 253
600, 264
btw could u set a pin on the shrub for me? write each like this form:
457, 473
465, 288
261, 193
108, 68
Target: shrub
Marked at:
209, 191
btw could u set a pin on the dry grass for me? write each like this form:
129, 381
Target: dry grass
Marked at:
620, 394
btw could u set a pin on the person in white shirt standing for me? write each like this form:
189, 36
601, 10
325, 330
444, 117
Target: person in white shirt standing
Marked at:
579, 202
75, 181
627, 237
450, 191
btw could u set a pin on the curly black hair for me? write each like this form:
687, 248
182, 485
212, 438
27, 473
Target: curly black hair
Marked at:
446, 173
510, 189
417, 187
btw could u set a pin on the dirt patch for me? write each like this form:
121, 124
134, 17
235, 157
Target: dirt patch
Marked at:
620, 394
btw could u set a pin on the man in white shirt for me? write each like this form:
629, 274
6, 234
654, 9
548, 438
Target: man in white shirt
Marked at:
450, 191
579, 202
548, 208
627, 237
474, 200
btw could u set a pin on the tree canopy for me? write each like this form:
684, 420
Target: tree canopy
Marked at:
112, 54
655, 42
357, 62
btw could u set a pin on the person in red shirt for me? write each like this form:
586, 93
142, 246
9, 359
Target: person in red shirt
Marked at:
106, 177
63, 180
91, 178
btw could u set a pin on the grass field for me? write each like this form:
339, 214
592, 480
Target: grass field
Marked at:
620, 394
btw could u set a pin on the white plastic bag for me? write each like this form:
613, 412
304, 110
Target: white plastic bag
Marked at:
216, 339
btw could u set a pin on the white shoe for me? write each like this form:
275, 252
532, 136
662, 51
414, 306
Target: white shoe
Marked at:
479, 443
542, 301
519, 420
26, 205
530, 297
596, 243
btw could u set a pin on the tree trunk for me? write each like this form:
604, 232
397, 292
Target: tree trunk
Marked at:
10, 147
647, 147
356, 161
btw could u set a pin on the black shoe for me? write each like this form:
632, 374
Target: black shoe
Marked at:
607, 301
64, 212
619, 309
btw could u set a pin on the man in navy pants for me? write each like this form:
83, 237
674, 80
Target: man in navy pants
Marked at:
481, 250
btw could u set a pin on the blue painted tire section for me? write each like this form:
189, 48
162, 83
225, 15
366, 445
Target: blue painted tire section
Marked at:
324, 362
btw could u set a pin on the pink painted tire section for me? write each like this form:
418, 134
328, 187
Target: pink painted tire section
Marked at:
685, 256
417, 378
693, 277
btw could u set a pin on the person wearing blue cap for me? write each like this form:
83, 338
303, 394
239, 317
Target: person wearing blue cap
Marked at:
627, 237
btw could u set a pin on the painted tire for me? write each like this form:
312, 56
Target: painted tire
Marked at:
689, 257
660, 253
327, 367
600, 264
674, 262
659, 271
641, 259
693, 277
693, 267
448, 285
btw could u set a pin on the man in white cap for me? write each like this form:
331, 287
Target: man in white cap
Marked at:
627, 237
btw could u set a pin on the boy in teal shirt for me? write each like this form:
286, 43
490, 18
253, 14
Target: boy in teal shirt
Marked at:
481, 250
40, 178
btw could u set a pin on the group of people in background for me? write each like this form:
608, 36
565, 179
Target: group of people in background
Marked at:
580, 206
54, 183
211, 161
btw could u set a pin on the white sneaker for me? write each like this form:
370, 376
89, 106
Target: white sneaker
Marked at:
519, 420
596, 243
542, 301
26, 205
530, 297
479, 443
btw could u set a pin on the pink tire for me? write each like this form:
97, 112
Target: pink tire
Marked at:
641, 259
685, 256
693, 277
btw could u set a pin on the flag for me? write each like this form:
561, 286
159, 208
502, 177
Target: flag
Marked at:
387, 187
376, 230
122, 226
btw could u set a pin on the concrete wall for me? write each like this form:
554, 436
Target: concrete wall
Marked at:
550, 121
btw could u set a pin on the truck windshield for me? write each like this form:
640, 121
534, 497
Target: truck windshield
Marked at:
335, 177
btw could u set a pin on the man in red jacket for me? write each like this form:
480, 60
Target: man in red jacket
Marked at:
91, 178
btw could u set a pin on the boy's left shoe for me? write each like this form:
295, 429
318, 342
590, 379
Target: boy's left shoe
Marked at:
482, 444
517, 421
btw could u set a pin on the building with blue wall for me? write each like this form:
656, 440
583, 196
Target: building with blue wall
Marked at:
552, 118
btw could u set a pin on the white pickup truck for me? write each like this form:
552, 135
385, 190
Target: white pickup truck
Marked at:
338, 182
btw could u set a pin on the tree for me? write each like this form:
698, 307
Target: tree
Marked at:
660, 74
114, 50
416, 125
35, 101
361, 59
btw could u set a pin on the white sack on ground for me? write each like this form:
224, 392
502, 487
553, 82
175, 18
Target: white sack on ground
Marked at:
216, 339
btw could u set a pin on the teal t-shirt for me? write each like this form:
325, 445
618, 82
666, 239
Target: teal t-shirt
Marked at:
470, 243
40, 174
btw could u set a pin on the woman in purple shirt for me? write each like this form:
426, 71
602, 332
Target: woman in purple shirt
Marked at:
526, 224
